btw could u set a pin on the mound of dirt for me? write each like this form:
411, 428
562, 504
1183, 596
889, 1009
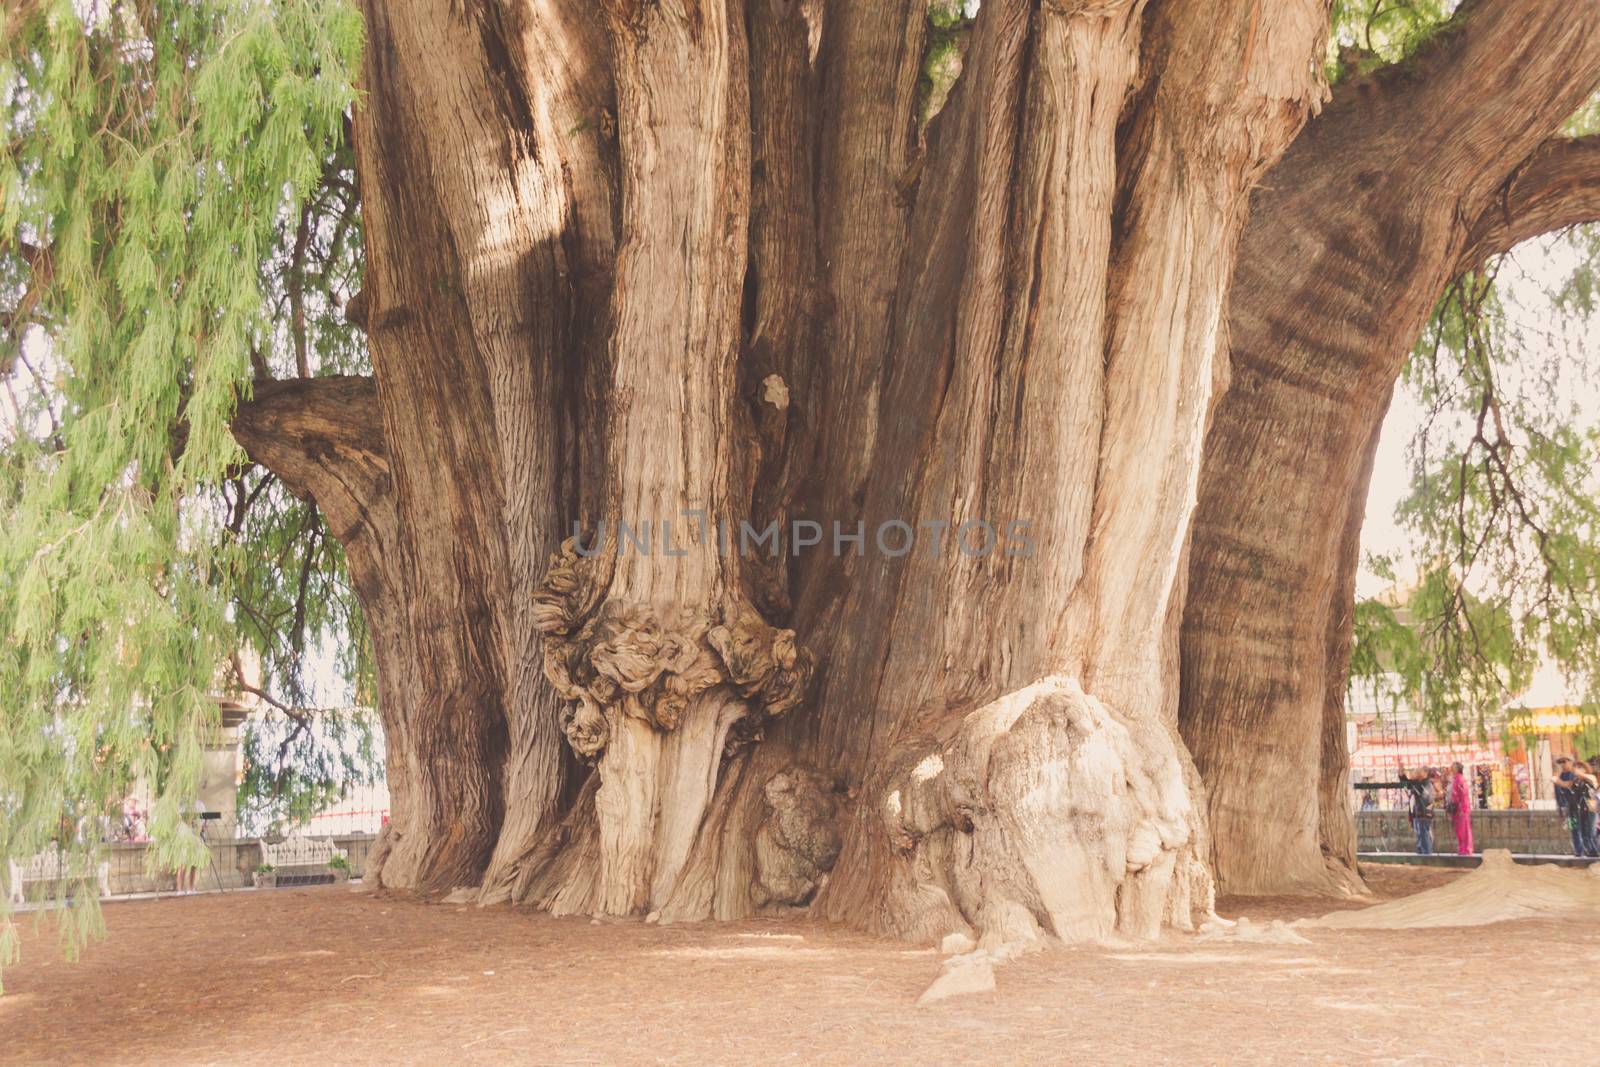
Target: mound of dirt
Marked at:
1498, 891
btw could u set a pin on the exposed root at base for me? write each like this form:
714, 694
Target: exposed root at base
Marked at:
1276, 932
1044, 814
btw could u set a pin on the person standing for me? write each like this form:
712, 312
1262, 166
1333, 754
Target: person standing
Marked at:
1459, 805
1581, 802
1420, 791
132, 819
1562, 780
185, 875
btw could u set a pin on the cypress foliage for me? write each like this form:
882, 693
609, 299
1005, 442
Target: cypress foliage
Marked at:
154, 152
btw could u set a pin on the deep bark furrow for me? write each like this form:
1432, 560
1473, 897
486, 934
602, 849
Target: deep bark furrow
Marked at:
473, 293
778, 368
869, 59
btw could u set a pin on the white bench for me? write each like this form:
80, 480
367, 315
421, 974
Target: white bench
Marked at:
53, 866
299, 851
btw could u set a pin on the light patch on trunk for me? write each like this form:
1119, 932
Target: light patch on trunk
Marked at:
775, 392
1049, 813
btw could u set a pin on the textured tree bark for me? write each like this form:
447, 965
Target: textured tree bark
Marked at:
640, 272
598, 274
666, 661
1021, 773
488, 251
1409, 176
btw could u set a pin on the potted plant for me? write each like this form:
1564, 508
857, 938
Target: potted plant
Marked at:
340, 868
266, 876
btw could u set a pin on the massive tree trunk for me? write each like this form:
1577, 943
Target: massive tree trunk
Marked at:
1409, 177
1060, 321
643, 279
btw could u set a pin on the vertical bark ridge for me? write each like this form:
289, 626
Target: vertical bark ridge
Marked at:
450, 553
552, 58
869, 59
659, 653
684, 229
943, 836
950, 316
470, 226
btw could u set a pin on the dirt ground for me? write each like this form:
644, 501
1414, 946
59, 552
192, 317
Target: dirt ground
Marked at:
332, 976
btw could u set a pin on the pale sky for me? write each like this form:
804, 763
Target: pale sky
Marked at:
1533, 270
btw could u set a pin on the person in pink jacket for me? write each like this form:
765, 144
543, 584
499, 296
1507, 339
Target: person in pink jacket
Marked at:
1459, 804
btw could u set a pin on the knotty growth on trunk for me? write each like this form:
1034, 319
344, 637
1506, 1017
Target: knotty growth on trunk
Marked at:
685, 265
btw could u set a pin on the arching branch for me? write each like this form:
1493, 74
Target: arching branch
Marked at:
1557, 186
1350, 242
324, 438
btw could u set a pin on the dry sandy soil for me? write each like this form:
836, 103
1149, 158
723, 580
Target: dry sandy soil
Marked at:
330, 976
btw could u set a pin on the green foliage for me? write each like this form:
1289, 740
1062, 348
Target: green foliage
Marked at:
1445, 652
1502, 513
159, 161
948, 24
1368, 34
297, 766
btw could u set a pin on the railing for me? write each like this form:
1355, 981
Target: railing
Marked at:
234, 860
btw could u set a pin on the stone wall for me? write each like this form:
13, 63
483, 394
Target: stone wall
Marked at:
1532, 832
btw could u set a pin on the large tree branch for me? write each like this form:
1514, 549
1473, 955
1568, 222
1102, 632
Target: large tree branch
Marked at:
1474, 102
324, 438
1557, 186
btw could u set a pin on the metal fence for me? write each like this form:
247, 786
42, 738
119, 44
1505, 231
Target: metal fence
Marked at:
233, 866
